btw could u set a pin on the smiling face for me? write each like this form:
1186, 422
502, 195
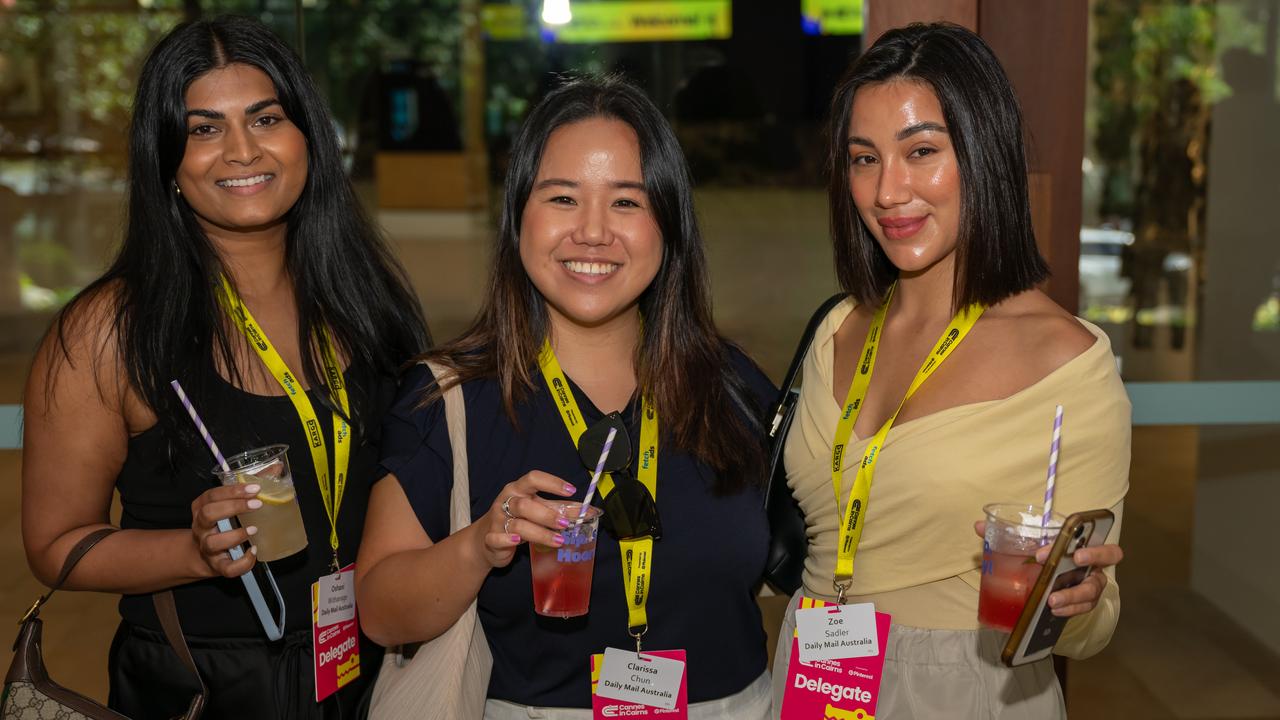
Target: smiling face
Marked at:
245, 163
588, 239
903, 173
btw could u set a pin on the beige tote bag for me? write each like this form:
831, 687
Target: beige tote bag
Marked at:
448, 677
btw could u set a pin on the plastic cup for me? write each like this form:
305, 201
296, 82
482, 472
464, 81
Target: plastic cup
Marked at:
562, 575
1009, 567
279, 521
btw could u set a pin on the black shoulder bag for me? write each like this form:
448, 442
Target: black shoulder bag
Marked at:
788, 541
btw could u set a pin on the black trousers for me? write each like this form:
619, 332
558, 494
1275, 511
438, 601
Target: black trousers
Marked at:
248, 678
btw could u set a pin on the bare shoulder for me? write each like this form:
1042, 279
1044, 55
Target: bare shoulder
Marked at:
1037, 332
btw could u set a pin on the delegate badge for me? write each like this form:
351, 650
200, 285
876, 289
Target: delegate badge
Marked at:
846, 688
650, 685
335, 633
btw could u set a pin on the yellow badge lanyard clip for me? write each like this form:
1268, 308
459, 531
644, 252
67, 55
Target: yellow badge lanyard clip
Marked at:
856, 510
637, 553
332, 498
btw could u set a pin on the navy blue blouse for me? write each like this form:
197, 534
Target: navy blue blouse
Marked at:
706, 567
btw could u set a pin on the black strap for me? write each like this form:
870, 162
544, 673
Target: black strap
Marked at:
786, 402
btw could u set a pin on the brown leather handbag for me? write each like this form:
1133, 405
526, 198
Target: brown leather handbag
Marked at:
28, 690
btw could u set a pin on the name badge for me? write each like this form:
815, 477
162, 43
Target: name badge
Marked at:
837, 632
651, 685
335, 631
838, 689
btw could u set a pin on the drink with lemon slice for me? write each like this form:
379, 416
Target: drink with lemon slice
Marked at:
279, 521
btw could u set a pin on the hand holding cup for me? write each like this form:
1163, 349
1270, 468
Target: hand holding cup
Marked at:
518, 515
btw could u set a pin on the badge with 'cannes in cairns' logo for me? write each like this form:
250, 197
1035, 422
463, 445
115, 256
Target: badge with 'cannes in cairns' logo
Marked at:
840, 689
651, 686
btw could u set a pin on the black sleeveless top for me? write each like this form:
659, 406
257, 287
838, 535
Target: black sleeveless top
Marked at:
160, 480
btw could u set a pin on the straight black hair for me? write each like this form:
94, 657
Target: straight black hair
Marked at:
162, 287
996, 253
682, 362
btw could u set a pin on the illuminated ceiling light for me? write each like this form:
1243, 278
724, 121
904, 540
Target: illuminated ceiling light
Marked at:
556, 12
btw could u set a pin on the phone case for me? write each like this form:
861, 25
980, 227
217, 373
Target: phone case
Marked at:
1038, 629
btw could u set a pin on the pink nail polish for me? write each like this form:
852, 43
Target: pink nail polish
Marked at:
564, 522
515, 538
569, 489
557, 539
254, 504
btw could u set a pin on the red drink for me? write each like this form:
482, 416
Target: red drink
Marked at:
562, 576
1007, 580
1009, 568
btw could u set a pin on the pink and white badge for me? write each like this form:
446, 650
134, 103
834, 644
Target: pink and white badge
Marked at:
335, 631
842, 689
650, 682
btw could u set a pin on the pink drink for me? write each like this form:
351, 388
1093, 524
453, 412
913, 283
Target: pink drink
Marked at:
562, 576
1005, 587
1009, 567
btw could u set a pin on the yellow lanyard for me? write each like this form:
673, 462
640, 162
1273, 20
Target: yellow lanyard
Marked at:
856, 510
637, 554
240, 314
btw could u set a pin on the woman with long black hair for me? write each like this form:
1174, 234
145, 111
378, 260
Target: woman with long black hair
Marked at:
239, 217
599, 291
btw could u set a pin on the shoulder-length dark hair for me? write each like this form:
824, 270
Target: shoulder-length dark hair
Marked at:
996, 253
161, 286
682, 363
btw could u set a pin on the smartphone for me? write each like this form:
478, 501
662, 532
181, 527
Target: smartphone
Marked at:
1038, 629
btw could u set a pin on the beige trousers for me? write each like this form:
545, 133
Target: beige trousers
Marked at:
751, 703
949, 674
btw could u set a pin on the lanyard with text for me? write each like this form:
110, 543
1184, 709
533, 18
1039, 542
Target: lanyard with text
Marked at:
306, 413
856, 510
637, 553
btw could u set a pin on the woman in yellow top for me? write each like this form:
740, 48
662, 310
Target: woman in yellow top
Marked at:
931, 224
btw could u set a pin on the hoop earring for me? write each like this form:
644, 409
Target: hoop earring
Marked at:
176, 189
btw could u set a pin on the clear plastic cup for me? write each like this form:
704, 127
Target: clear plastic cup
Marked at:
279, 520
562, 575
1009, 567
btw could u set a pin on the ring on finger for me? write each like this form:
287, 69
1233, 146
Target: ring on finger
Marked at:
506, 506
506, 526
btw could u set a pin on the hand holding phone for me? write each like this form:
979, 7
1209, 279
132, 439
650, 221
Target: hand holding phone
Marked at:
1038, 629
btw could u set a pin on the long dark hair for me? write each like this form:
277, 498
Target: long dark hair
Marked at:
996, 253
700, 399
161, 286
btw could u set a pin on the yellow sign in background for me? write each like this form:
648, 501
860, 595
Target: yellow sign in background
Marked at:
832, 17
621, 21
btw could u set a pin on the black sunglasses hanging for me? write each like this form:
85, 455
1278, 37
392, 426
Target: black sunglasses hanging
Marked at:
629, 510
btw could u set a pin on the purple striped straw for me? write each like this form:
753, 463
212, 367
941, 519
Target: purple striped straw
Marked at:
204, 431
595, 479
1053, 467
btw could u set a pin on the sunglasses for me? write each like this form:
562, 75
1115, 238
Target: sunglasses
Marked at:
629, 510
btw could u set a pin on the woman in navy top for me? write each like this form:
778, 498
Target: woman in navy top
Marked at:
599, 261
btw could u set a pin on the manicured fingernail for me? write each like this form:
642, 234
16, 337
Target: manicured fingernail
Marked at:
515, 538
253, 549
569, 489
564, 522
254, 504
558, 539
252, 529
252, 489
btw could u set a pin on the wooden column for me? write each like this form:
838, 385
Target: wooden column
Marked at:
1042, 46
